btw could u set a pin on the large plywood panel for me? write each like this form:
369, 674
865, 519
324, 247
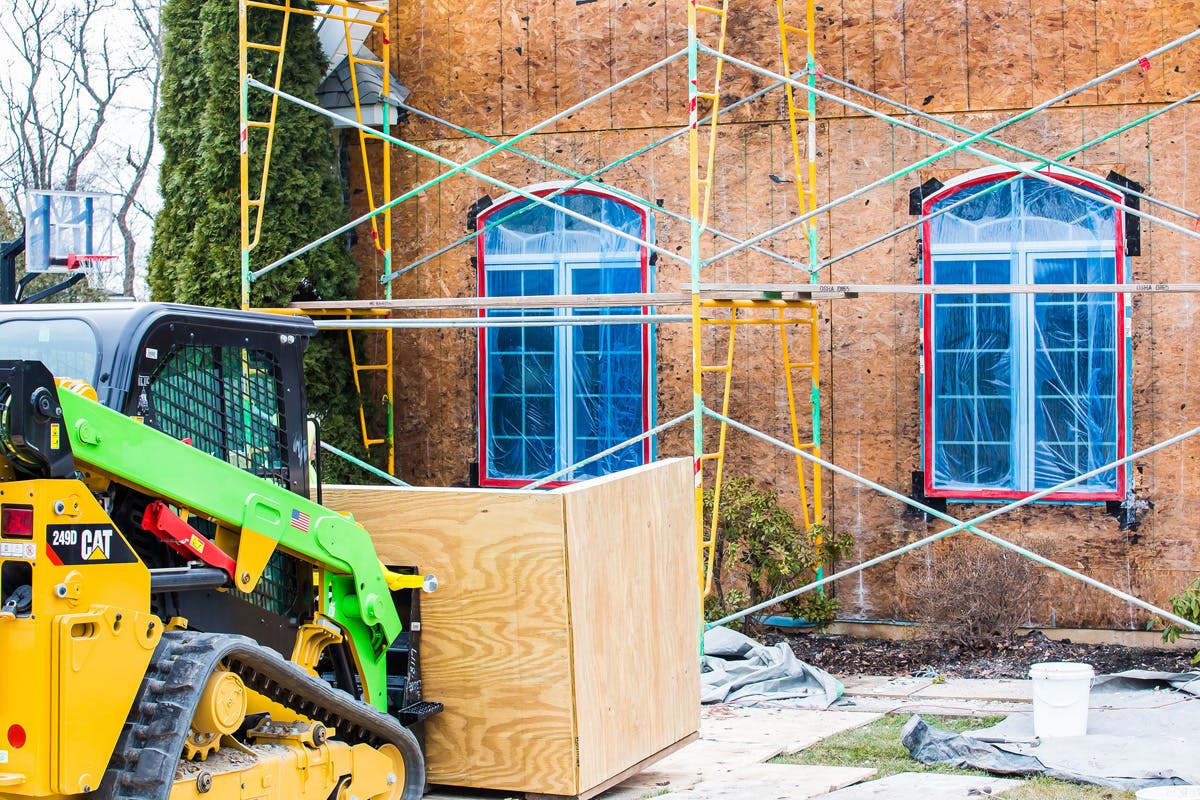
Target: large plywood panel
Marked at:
1127, 29
496, 646
1049, 75
935, 55
1079, 51
584, 63
635, 619
1000, 66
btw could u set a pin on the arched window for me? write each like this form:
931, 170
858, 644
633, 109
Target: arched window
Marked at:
1023, 391
552, 396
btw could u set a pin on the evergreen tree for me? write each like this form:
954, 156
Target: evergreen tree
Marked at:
196, 254
184, 91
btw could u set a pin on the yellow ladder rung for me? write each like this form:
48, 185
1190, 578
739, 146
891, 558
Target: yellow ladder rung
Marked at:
720, 12
274, 48
364, 367
258, 202
374, 62
257, 123
716, 368
710, 456
799, 364
708, 96
369, 442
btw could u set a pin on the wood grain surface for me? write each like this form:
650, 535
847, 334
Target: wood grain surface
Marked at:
635, 615
563, 636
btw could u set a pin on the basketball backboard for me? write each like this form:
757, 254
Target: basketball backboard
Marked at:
67, 231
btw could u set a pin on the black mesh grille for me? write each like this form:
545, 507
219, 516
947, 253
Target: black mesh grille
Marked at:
228, 402
279, 588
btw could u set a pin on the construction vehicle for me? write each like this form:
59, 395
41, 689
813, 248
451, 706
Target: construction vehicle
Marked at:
177, 617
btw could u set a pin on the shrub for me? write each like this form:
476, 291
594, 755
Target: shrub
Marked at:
977, 593
1186, 604
761, 552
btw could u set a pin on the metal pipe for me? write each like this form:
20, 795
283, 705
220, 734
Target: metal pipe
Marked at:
916, 112
1000, 184
358, 462
965, 145
455, 167
966, 288
187, 579
657, 429
591, 175
958, 525
498, 322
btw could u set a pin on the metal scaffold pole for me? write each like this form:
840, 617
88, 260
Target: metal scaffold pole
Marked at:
703, 550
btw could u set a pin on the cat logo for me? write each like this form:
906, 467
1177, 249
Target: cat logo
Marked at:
94, 544
87, 544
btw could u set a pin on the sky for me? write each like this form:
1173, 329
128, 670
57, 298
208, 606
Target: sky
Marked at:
113, 39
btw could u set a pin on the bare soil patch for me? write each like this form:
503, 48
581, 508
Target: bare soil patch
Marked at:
848, 655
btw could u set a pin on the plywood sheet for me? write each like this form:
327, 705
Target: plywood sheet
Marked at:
515, 65
495, 640
890, 50
584, 63
1080, 63
1000, 67
1126, 30
858, 44
634, 614
1049, 77
935, 55
641, 39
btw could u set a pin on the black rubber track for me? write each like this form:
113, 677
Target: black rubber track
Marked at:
151, 742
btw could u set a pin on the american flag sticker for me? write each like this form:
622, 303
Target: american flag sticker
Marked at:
299, 520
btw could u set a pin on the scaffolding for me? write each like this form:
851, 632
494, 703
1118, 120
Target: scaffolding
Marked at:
359, 21
787, 306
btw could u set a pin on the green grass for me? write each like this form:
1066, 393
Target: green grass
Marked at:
878, 745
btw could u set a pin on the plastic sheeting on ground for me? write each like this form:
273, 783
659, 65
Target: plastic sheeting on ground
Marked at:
737, 669
1141, 732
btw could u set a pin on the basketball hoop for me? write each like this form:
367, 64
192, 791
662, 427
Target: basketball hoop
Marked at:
68, 232
88, 264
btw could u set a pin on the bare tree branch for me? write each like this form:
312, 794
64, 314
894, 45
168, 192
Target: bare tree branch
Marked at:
78, 105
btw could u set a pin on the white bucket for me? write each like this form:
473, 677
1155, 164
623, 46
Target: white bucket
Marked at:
1169, 793
1060, 698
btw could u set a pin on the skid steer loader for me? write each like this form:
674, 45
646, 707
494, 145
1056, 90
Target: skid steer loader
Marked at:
177, 618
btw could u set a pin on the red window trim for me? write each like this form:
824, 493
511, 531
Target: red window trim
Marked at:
927, 352
481, 343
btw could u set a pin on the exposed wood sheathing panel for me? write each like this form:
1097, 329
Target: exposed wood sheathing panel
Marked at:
563, 636
631, 547
974, 64
496, 644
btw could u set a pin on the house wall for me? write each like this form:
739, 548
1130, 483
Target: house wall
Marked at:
499, 67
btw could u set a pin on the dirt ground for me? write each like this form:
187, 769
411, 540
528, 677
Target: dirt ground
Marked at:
847, 655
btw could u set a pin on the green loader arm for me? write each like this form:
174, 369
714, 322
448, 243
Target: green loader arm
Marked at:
354, 587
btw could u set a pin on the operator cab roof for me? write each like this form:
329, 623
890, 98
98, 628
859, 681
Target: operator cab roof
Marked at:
100, 342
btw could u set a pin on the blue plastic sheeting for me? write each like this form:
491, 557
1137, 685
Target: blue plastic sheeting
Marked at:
556, 395
1025, 388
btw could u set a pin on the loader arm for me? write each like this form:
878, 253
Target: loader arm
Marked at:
254, 517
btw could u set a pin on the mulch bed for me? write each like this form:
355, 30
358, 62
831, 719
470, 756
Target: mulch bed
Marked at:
848, 655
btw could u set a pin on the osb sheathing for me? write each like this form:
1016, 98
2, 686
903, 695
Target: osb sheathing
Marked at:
500, 67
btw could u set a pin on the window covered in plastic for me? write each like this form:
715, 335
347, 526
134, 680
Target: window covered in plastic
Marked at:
552, 396
1023, 391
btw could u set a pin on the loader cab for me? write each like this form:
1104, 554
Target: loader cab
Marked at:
229, 382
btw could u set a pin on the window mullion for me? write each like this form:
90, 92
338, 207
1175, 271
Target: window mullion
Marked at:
565, 399
1024, 389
